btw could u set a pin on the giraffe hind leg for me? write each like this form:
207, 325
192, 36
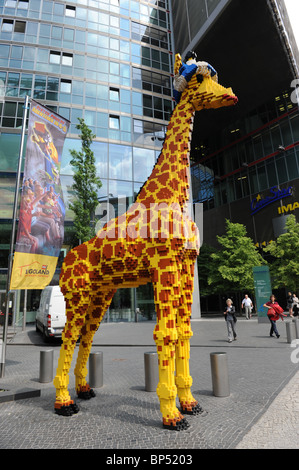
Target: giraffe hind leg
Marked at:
76, 306
98, 306
189, 405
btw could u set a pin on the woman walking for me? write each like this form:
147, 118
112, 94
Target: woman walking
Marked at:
231, 319
275, 311
290, 303
295, 306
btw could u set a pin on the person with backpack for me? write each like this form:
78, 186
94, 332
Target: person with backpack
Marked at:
275, 311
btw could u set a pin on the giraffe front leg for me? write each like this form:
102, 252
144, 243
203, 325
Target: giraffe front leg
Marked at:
165, 336
76, 305
97, 308
183, 380
189, 405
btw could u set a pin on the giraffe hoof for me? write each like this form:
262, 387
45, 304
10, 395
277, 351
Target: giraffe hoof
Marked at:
67, 410
86, 393
175, 425
192, 409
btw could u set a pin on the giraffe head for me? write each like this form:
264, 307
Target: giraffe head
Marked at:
197, 83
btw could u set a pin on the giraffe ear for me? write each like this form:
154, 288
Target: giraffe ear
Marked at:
178, 64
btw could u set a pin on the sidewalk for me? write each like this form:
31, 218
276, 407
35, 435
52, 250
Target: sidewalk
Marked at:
124, 416
278, 428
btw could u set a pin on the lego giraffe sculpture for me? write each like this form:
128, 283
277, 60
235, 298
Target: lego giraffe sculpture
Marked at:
145, 245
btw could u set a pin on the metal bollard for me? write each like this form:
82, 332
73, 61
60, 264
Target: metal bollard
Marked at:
291, 332
151, 371
96, 370
219, 370
46, 366
296, 321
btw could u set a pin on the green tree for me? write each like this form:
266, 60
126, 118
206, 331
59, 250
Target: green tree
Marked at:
85, 186
285, 250
204, 263
231, 268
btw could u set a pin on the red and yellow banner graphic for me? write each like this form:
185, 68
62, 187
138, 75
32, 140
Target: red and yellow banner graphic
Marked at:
42, 210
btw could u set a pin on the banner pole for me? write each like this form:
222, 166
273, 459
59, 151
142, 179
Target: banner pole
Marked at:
12, 241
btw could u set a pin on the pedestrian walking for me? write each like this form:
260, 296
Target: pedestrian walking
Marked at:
247, 305
290, 303
275, 311
231, 319
295, 306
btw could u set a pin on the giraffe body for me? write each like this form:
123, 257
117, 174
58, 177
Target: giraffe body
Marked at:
154, 241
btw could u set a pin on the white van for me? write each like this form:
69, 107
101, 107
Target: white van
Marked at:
50, 317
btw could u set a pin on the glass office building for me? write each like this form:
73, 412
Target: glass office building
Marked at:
245, 160
108, 61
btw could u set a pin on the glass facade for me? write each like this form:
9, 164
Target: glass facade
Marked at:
189, 16
108, 61
244, 163
257, 152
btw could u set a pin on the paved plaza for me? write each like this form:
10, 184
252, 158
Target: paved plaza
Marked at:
261, 411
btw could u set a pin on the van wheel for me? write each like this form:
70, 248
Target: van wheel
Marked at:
36, 327
45, 337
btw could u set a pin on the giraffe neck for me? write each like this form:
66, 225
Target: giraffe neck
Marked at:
169, 180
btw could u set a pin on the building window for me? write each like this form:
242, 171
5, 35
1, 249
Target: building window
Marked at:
66, 86
20, 27
64, 58
56, 32
54, 57
67, 59
7, 26
151, 81
114, 21
52, 89
150, 35
138, 126
114, 94
23, 4
70, 11
114, 122
153, 133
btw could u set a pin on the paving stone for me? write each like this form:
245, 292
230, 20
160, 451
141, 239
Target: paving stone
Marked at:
124, 416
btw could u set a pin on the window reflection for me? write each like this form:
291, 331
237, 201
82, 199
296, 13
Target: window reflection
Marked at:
120, 196
100, 150
7, 193
69, 195
143, 161
120, 162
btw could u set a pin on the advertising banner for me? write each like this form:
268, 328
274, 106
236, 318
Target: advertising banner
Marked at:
263, 290
42, 210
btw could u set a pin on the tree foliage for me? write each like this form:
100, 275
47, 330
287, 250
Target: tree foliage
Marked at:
231, 266
85, 186
204, 263
285, 250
